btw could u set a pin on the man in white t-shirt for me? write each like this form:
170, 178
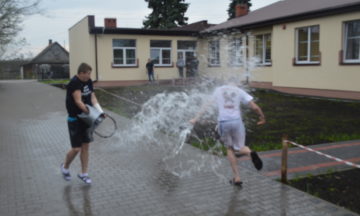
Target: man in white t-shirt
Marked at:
231, 127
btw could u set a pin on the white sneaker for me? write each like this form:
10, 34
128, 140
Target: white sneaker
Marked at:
66, 174
86, 179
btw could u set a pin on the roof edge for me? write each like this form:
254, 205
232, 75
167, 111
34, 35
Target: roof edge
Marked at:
297, 17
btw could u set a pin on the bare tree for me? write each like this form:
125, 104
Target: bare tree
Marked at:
12, 14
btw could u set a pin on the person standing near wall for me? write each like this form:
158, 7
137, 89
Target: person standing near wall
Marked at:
180, 64
150, 70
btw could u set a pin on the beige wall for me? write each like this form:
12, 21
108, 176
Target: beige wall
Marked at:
259, 73
82, 47
329, 75
105, 58
282, 72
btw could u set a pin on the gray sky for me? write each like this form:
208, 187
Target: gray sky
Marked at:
60, 15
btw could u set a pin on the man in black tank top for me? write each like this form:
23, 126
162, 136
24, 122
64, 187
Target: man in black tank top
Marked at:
80, 92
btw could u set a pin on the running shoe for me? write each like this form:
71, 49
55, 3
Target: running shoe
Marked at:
256, 160
66, 175
85, 179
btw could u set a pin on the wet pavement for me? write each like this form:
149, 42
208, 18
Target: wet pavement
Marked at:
302, 163
33, 143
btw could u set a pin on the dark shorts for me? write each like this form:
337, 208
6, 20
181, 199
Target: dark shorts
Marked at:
79, 132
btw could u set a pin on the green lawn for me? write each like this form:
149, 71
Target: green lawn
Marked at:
305, 120
62, 81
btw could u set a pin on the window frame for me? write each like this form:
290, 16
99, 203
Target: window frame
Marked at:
161, 64
262, 60
215, 55
345, 43
125, 58
308, 55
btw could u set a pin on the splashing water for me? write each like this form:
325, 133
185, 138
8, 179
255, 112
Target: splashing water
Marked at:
163, 125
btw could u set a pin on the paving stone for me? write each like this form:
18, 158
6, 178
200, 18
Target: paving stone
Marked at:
34, 140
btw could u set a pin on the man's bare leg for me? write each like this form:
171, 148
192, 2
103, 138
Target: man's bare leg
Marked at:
70, 157
233, 162
84, 157
245, 150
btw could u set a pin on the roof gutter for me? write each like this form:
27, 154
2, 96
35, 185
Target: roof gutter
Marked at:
298, 17
101, 30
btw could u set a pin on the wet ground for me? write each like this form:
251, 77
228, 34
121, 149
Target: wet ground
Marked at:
33, 143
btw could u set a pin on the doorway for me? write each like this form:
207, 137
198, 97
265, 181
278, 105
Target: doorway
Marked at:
189, 58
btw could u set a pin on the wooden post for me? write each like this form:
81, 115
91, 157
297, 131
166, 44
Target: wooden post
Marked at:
284, 157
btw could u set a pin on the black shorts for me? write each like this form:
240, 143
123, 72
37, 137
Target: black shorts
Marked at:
79, 132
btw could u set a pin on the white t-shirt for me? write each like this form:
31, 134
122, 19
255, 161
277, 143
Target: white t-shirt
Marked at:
228, 99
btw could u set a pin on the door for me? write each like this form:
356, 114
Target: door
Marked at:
189, 62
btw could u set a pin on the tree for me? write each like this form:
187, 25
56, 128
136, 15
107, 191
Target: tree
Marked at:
231, 10
12, 14
166, 14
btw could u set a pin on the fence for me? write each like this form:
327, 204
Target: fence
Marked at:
284, 157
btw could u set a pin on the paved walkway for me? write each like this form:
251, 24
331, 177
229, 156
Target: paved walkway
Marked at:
34, 140
302, 162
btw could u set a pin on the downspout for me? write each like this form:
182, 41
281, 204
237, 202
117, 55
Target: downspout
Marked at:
247, 57
96, 60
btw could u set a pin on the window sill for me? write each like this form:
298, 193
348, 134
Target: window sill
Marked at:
214, 65
164, 66
307, 64
124, 66
295, 63
344, 62
264, 65
349, 63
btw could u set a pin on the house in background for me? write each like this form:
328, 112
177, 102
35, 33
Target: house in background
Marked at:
307, 47
50, 63
118, 55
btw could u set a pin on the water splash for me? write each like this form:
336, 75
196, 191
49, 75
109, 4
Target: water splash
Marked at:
162, 125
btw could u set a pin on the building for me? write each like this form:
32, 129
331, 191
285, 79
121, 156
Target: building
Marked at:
309, 46
118, 55
51, 63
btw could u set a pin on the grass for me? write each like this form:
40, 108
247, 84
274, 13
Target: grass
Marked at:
305, 120
341, 188
62, 81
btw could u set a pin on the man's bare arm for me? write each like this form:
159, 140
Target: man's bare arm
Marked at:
258, 110
77, 98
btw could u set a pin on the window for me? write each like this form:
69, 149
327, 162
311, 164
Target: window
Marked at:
160, 52
307, 45
124, 52
263, 49
214, 53
235, 52
352, 42
186, 45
